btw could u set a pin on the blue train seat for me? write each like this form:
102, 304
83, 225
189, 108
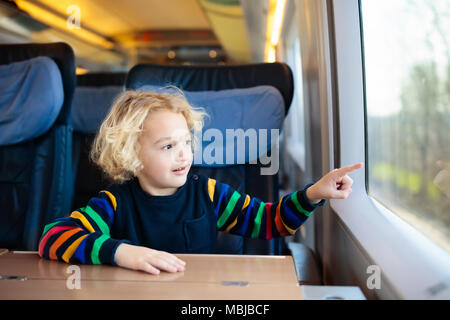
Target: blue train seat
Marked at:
254, 96
92, 100
36, 89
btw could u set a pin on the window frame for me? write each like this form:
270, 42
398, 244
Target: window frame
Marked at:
414, 265
296, 117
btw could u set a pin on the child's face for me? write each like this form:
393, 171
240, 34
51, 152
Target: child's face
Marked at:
165, 152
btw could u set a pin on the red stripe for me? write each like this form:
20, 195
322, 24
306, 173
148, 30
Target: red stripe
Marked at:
268, 221
49, 233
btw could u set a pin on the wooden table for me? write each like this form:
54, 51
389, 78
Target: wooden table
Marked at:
207, 277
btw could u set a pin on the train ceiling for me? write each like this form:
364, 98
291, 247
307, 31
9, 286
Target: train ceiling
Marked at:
117, 31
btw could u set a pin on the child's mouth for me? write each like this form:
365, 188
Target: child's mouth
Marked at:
180, 170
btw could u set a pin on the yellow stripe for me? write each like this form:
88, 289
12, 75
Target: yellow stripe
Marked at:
83, 219
232, 224
281, 219
112, 198
291, 231
246, 202
72, 248
211, 188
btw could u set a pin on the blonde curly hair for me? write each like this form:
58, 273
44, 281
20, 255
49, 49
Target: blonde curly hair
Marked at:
116, 148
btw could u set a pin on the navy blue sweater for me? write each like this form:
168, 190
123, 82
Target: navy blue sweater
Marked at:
185, 222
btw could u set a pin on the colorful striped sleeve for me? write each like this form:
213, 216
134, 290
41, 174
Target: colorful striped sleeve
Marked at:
84, 236
250, 217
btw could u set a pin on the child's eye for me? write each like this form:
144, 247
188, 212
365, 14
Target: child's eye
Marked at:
188, 142
167, 147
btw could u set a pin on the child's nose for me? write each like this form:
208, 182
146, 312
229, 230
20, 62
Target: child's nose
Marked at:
182, 152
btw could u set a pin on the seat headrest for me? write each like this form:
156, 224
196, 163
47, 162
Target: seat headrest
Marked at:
90, 106
203, 78
240, 123
61, 53
31, 98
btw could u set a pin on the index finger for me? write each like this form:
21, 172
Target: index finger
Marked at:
346, 170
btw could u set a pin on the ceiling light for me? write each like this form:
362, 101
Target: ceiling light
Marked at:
275, 18
212, 54
171, 54
277, 22
58, 22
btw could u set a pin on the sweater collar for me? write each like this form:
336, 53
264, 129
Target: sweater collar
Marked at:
143, 194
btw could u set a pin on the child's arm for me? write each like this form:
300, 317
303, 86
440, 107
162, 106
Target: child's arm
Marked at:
84, 237
250, 217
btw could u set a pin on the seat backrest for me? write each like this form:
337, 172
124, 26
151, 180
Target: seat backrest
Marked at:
203, 84
94, 95
36, 89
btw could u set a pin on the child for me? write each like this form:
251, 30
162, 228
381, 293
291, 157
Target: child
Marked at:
145, 145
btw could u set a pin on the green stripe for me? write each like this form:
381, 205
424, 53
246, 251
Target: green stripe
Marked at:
97, 219
228, 210
96, 248
298, 206
49, 226
257, 223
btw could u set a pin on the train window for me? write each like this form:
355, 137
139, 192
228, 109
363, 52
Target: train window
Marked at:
407, 95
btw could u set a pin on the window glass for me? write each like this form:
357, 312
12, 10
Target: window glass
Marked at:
407, 82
